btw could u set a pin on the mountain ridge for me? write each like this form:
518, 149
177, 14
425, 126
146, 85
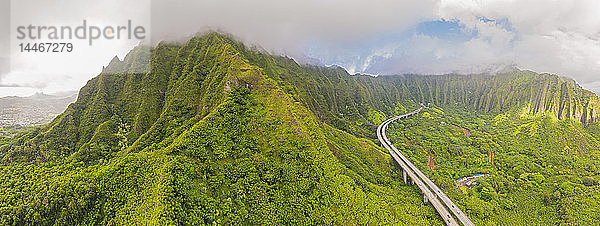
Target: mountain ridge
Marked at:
221, 143
216, 132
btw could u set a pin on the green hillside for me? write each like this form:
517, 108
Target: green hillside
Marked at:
541, 170
218, 132
205, 137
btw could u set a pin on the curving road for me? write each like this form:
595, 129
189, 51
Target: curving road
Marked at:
431, 192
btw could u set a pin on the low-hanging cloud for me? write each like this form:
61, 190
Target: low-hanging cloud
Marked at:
382, 37
400, 36
560, 37
289, 26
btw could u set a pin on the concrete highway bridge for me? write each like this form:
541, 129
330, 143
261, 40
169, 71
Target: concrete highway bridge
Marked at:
431, 193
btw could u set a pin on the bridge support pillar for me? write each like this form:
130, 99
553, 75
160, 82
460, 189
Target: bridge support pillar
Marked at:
425, 198
404, 175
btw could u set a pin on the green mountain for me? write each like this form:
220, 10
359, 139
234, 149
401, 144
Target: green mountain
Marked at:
217, 132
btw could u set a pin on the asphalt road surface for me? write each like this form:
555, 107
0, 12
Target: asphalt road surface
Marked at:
431, 192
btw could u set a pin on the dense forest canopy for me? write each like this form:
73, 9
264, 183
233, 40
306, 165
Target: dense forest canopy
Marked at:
218, 132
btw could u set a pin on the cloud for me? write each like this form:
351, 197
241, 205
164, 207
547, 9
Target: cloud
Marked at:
290, 26
393, 36
549, 36
4, 37
62, 71
561, 37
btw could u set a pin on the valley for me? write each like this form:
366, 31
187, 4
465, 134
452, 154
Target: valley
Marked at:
221, 133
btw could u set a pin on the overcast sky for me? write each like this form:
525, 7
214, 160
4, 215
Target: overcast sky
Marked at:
389, 36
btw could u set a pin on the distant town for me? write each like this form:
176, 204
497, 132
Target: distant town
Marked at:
18, 112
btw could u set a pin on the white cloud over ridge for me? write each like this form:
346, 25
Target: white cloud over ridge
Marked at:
395, 36
380, 37
560, 37
289, 26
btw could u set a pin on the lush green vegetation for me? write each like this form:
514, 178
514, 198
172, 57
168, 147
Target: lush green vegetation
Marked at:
217, 132
205, 137
11, 131
542, 170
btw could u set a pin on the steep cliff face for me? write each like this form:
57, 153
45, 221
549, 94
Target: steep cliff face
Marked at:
206, 137
218, 133
122, 108
357, 103
564, 98
539, 93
